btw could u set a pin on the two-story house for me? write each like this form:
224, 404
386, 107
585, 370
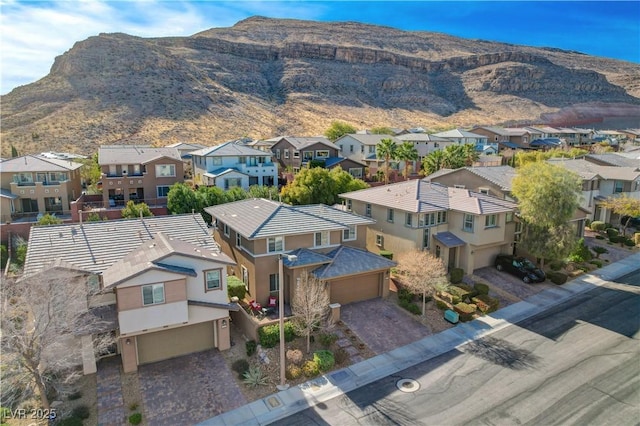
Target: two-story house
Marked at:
327, 242
32, 185
233, 165
361, 147
466, 229
185, 150
463, 137
138, 173
163, 278
294, 152
614, 159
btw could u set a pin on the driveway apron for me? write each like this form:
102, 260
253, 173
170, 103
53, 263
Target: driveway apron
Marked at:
109, 393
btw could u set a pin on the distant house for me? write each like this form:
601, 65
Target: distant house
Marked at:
138, 173
232, 165
329, 243
613, 159
185, 150
362, 148
294, 152
32, 185
162, 279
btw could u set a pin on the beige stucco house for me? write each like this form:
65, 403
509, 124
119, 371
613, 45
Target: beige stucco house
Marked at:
467, 229
163, 279
328, 242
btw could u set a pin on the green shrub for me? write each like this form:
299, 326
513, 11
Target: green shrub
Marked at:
598, 263
235, 288
441, 304
557, 277
615, 239
405, 294
460, 293
70, 421
386, 253
465, 311
294, 356
4, 256
599, 237
327, 339
612, 232
597, 226
310, 369
254, 377
556, 265
135, 418
629, 242
251, 346
240, 366
270, 334
410, 306
293, 372
74, 395
341, 356
81, 412
486, 304
324, 359
581, 253
456, 275
598, 250
481, 288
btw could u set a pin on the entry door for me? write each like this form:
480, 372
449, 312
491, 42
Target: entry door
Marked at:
452, 257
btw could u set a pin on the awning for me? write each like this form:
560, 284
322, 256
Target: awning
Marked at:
448, 239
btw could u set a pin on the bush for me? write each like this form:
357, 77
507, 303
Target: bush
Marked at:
441, 304
235, 288
456, 275
270, 334
599, 237
74, 395
557, 277
341, 356
617, 239
293, 372
597, 226
4, 256
386, 253
460, 293
629, 242
251, 346
465, 310
556, 265
581, 253
327, 339
310, 369
598, 250
612, 232
294, 356
324, 359
405, 294
410, 306
481, 288
135, 418
240, 366
486, 304
598, 263
70, 421
81, 412
254, 377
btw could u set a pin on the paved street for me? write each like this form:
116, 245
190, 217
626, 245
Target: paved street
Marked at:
577, 363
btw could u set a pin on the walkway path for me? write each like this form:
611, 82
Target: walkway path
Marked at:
109, 388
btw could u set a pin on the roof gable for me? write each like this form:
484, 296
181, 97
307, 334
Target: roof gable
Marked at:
34, 163
230, 149
132, 154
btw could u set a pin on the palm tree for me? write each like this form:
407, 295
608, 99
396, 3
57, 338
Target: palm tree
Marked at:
453, 157
433, 162
470, 154
386, 149
407, 152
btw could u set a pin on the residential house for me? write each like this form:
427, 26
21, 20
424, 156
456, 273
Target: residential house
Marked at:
614, 159
292, 153
138, 173
328, 242
462, 137
632, 135
425, 144
185, 150
362, 148
33, 185
504, 137
466, 229
233, 165
162, 277
601, 182
350, 166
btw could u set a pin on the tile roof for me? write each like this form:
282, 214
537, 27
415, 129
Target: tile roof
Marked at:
498, 175
367, 139
421, 196
448, 239
588, 170
34, 163
301, 143
347, 261
459, 133
260, 218
222, 171
305, 257
132, 154
5, 193
421, 137
95, 246
150, 255
229, 149
615, 160
184, 146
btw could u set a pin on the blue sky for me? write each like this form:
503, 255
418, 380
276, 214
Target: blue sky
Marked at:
33, 33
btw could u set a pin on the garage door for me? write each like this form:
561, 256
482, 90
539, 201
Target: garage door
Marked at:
175, 342
485, 257
354, 289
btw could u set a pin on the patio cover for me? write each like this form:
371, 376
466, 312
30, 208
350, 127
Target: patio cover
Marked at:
448, 239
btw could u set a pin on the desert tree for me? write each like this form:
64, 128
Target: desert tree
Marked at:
407, 152
310, 305
386, 149
421, 272
44, 317
624, 206
556, 242
337, 129
319, 185
134, 210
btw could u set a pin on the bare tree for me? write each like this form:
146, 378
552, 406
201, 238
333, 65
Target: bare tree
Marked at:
421, 272
43, 318
310, 305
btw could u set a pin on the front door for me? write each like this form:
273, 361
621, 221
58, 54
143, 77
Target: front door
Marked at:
452, 257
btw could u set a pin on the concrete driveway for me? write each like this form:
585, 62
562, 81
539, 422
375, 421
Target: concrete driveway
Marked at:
382, 325
508, 288
189, 389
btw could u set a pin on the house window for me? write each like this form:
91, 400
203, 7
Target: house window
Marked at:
307, 155
93, 283
286, 153
296, 169
238, 240
379, 240
437, 252
225, 227
362, 149
427, 219
350, 148
356, 172
242, 160
216, 161
442, 217
322, 153
390, 215
278, 153
459, 186
165, 170
349, 205
245, 277
152, 294
425, 238
491, 221
274, 282
349, 234
619, 186
212, 280
296, 154
232, 183
367, 210
509, 217
484, 191
136, 169
408, 219
518, 227
468, 223
275, 244
163, 191
321, 239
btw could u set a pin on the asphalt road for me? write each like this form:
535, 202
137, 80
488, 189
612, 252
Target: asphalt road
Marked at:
575, 364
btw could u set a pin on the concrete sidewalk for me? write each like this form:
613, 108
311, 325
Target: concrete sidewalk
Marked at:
282, 404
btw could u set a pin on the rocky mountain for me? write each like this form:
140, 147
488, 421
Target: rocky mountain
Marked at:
267, 77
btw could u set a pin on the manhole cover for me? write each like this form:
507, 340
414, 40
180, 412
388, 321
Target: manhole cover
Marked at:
407, 385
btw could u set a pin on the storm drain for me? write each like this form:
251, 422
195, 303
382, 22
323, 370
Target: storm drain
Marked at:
407, 385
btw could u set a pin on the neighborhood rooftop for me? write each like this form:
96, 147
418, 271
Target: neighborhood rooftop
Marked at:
498, 175
132, 154
229, 149
35, 163
585, 169
95, 246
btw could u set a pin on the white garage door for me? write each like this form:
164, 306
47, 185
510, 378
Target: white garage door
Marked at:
175, 342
